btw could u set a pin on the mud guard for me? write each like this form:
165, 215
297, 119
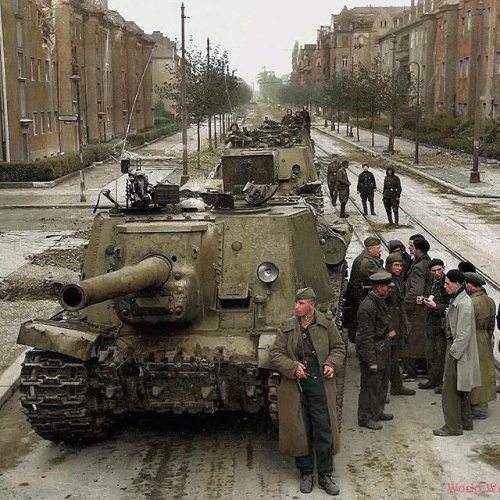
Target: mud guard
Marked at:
51, 336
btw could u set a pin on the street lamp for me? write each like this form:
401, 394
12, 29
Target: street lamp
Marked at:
417, 121
76, 79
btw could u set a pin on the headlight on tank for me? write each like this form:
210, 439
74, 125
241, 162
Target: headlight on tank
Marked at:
267, 272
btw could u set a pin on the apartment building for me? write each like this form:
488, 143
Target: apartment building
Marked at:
63, 59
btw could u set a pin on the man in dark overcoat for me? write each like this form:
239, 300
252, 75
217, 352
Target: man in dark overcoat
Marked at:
417, 284
373, 349
308, 352
394, 264
366, 188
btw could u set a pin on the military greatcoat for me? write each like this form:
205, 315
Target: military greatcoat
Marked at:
330, 350
484, 312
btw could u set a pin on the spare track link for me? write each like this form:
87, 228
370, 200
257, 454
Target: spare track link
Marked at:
57, 398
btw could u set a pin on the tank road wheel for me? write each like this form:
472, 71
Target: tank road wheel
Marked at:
58, 400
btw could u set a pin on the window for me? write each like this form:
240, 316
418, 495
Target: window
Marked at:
42, 122
39, 70
344, 61
20, 65
17, 7
497, 63
19, 33
49, 121
35, 124
47, 71
22, 99
469, 20
466, 67
32, 69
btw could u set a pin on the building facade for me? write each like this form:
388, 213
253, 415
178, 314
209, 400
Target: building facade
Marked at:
64, 59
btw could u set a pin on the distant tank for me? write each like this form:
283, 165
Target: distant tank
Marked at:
178, 304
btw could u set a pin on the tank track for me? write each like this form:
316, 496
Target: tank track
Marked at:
273, 382
58, 399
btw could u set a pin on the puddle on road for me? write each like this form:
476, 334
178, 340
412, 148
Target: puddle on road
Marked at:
489, 454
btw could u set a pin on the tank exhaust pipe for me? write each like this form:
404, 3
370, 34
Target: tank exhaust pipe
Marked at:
152, 272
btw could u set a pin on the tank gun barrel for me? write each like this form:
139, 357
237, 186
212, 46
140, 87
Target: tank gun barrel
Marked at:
152, 272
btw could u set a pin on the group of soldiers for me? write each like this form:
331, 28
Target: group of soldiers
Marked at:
338, 186
298, 119
412, 316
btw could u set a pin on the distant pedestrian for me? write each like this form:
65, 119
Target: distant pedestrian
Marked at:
391, 195
461, 366
373, 349
342, 187
484, 312
331, 177
309, 352
366, 189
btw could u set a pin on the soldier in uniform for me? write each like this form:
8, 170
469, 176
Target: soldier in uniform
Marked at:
484, 312
307, 118
297, 178
435, 335
331, 177
368, 262
399, 323
236, 137
372, 347
391, 195
342, 187
398, 246
366, 189
461, 365
308, 352
298, 119
288, 119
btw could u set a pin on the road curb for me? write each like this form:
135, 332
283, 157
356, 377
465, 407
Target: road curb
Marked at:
424, 175
10, 377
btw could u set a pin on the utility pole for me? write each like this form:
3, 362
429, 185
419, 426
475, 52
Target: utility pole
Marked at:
208, 81
76, 79
185, 175
474, 173
417, 119
393, 82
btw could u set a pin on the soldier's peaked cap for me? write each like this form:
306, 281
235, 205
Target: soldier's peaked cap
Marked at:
475, 279
371, 241
381, 278
305, 294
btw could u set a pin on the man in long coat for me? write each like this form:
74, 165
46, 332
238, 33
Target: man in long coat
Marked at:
461, 366
368, 262
417, 283
484, 312
308, 352
331, 177
342, 184
367, 185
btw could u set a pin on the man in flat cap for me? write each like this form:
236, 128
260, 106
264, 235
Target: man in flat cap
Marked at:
394, 264
484, 312
417, 284
372, 347
308, 352
364, 265
461, 365
435, 336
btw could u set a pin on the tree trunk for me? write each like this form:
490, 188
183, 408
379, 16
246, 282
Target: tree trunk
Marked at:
390, 147
221, 125
209, 133
215, 131
332, 125
198, 149
373, 129
338, 120
357, 124
347, 126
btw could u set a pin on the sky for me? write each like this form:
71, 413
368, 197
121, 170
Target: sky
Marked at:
255, 33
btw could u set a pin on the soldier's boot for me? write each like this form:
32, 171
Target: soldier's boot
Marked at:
372, 207
343, 213
365, 208
389, 216
396, 216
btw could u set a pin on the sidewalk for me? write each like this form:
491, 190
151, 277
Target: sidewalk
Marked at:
449, 169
